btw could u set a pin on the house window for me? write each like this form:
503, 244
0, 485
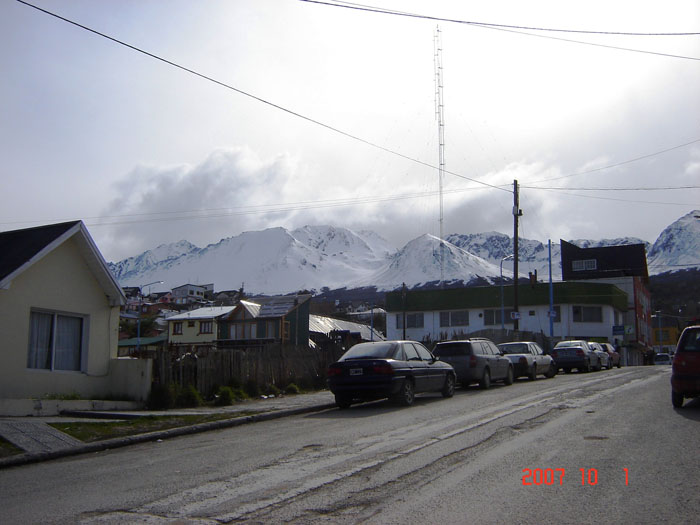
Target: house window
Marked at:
587, 314
414, 320
205, 327
177, 328
56, 341
456, 318
557, 314
493, 317
584, 265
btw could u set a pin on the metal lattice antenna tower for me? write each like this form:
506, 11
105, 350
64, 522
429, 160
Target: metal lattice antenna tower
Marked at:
440, 117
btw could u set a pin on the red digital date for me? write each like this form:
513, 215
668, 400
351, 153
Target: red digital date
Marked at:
550, 476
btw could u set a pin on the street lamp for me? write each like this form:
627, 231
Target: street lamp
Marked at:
502, 308
138, 319
657, 314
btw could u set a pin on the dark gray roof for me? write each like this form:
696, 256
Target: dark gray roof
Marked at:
17, 247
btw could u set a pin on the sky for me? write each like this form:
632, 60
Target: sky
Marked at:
320, 114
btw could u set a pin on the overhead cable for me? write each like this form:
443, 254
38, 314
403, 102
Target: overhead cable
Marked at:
259, 99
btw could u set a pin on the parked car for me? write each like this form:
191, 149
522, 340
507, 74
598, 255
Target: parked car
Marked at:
575, 354
528, 359
603, 357
476, 360
614, 354
662, 359
393, 369
685, 374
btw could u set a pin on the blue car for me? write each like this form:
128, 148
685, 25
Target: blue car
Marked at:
388, 369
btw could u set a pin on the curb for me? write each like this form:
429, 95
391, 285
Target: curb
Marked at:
98, 446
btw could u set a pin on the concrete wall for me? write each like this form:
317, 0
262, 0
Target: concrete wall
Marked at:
61, 282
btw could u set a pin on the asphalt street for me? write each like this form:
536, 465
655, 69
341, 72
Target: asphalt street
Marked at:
512, 453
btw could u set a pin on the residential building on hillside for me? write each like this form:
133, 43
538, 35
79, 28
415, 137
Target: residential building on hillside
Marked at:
262, 320
192, 293
59, 319
196, 329
582, 311
625, 267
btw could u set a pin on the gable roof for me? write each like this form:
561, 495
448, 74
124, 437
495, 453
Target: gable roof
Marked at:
326, 325
21, 249
210, 312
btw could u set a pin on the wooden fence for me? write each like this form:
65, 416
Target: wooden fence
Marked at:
273, 364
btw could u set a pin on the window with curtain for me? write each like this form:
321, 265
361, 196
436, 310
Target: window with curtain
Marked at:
55, 341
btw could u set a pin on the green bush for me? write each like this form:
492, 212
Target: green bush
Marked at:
224, 396
291, 389
272, 390
189, 397
239, 394
161, 397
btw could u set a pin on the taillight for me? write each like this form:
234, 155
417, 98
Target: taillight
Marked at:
522, 361
334, 371
555, 354
385, 369
580, 353
472, 361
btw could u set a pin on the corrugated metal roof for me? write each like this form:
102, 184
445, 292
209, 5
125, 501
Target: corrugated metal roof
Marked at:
325, 325
209, 312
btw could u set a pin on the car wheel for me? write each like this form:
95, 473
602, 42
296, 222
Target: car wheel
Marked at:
610, 365
533, 372
619, 364
587, 368
485, 381
551, 372
509, 376
449, 389
676, 399
406, 395
343, 402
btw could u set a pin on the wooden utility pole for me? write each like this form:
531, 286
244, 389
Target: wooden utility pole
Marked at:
517, 212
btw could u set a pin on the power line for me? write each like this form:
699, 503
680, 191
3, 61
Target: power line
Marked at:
617, 164
254, 97
519, 29
657, 188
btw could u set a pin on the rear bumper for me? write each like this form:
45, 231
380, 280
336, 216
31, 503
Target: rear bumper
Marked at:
368, 390
687, 385
577, 362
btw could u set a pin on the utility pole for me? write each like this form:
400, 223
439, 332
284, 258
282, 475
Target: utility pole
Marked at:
440, 117
517, 212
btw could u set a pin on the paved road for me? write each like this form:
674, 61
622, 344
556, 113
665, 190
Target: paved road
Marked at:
458, 460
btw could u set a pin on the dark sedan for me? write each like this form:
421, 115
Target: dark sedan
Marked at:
394, 369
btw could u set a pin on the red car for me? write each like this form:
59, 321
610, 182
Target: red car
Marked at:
685, 374
614, 356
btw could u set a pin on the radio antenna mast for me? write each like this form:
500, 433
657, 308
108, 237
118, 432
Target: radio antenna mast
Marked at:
440, 117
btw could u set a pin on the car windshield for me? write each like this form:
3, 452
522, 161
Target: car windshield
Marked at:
513, 348
370, 350
452, 349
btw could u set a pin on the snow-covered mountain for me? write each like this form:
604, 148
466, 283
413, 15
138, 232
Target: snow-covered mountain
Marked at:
277, 260
270, 261
419, 263
678, 246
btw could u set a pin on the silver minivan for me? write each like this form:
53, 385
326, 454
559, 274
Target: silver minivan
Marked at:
476, 360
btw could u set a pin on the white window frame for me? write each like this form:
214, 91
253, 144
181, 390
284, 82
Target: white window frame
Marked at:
84, 340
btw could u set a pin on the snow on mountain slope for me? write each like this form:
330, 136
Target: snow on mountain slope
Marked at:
269, 261
278, 260
419, 263
678, 246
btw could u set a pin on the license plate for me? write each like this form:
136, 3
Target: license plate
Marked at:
355, 371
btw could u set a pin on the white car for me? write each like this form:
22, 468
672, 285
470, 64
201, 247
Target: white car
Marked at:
662, 359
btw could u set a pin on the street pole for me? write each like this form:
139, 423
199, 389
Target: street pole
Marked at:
503, 327
403, 296
517, 212
551, 299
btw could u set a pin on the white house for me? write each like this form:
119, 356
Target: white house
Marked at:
59, 320
581, 311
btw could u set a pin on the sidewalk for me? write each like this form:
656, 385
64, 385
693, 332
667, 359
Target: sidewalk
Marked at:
41, 441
